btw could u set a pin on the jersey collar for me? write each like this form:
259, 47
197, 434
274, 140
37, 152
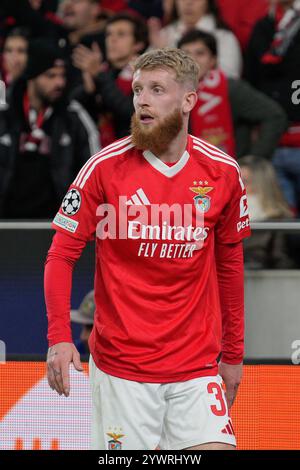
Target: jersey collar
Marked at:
164, 169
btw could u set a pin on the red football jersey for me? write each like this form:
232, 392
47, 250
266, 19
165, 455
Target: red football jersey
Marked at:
158, 314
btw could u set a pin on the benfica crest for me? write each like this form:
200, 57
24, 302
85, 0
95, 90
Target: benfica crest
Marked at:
202, 201
115, 443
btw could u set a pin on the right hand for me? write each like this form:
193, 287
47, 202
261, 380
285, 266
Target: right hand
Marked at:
58, 361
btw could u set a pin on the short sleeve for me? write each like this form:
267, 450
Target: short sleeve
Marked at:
234, 223
77, 214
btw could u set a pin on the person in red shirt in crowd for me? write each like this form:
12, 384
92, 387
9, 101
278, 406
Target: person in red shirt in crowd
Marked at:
229, 112
169, 213
241, 16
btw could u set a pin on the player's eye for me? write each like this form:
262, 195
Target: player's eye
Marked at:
137, 90
157, 89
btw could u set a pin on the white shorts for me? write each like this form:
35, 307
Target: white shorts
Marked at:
128, 415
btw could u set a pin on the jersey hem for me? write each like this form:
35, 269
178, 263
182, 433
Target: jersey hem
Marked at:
158, 379
207, 439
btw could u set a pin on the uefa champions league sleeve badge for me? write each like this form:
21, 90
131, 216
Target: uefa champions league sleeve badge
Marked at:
71, 202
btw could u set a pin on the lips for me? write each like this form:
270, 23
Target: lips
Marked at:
146, 117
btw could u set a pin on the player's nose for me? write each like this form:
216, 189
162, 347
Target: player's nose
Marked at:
142, 99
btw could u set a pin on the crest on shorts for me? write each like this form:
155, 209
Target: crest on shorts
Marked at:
202, 201
115, 443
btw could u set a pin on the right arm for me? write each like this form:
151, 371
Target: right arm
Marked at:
62, 256
75, 224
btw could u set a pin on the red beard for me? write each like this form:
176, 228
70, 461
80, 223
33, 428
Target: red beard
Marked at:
158, 138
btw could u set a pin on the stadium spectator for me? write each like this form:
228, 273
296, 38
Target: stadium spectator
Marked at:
107, 92
84, 316
230, 111
265, 249
44, 139
76, 22
272, 65
82, 19
14, 57
242, 15
204, 15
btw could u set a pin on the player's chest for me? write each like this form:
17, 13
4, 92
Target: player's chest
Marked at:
194, 194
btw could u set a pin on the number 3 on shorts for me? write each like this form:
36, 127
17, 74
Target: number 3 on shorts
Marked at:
216, 390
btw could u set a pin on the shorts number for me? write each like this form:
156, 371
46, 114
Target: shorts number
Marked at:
216, 390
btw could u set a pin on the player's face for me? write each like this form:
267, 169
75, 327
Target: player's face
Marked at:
157, 94
162, 106
51, 84
202, 55
120, 42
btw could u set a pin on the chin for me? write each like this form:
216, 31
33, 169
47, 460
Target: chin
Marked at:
148, 127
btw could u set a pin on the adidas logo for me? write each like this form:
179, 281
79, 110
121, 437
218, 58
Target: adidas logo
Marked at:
228, 429
139, 198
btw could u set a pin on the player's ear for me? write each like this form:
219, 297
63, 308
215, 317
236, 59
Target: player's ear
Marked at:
189, 101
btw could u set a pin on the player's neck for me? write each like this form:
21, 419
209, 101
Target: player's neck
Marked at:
176, 148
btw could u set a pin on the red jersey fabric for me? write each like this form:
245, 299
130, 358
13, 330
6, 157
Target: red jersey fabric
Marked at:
158, 314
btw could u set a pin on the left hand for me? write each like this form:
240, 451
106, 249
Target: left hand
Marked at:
232, 376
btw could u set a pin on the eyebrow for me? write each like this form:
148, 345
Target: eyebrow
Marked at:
152, 83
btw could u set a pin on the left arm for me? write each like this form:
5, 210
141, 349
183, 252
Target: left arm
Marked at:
230, 272
232, 227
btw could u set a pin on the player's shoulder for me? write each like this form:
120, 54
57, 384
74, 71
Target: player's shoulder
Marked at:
214, 157
107, 157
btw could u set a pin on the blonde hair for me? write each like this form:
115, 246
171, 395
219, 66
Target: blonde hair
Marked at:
185, 68
266, 186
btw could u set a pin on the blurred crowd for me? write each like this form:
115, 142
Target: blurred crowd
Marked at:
66, 65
